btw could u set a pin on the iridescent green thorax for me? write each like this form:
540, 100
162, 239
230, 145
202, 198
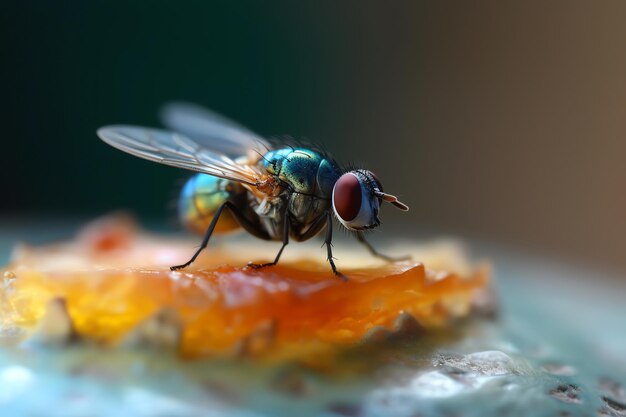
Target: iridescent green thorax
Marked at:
306, 171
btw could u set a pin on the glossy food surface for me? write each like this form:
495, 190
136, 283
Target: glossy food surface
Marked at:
112, 280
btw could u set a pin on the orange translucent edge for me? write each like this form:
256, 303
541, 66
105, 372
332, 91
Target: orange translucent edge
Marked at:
221, 305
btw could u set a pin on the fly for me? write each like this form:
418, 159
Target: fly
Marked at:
272, 192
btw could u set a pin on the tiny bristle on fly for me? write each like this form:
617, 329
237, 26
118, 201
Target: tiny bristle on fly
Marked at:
287, 141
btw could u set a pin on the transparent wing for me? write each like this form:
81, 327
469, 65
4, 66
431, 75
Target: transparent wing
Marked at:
212, 130
177, 150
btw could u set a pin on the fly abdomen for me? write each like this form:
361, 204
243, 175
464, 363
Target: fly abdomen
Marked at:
200, 198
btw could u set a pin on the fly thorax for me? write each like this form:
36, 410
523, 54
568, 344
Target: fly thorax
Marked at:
303, 170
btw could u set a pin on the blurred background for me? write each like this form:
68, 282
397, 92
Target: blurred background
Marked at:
495, 120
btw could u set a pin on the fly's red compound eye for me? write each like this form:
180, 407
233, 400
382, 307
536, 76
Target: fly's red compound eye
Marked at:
347, 197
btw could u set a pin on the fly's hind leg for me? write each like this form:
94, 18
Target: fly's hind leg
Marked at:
241, 219
361, 238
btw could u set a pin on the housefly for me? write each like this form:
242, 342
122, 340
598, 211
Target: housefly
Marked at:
273, 192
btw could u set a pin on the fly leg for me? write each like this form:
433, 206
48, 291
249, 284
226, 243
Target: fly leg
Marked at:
280, 252
241, 219
329, 247
361, 238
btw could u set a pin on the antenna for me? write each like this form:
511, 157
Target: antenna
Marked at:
392, 199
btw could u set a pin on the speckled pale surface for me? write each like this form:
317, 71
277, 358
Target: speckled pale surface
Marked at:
557, 348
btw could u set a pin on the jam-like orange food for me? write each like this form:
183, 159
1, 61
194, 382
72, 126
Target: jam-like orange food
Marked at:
112, 280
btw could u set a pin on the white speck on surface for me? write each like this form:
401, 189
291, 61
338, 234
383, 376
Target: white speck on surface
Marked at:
14, 381
436, 384
489, 363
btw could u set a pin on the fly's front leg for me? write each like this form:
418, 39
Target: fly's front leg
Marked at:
361, 238
241, 219
329, 247
280, 252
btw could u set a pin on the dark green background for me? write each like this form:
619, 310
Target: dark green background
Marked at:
493, 118
71, 67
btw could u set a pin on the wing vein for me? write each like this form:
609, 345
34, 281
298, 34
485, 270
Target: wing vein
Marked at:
176, 150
